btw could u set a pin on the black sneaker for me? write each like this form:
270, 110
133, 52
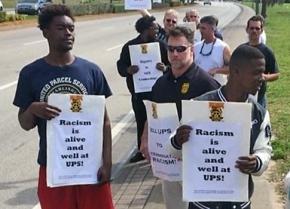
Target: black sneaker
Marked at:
137, 157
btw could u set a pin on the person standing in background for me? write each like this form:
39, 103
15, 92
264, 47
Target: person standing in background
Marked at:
254, 30
147, 29
212, 54
169, 22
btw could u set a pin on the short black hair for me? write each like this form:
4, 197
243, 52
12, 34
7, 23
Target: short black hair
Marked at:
182, 31
243, 54
144, 23
211, 20
256, 18
50, 11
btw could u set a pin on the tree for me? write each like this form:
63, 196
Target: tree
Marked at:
264, 8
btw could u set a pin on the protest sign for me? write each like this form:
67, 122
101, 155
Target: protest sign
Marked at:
145, 56
137, 4
75, 139
218, 138
162, 122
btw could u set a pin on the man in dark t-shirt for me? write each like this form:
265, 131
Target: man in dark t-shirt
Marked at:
183, 81
63, 73
254, 30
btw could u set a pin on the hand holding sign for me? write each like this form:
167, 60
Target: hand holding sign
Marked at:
104, 173
182, 134
132, 69
44, 110
247, 164
160, 66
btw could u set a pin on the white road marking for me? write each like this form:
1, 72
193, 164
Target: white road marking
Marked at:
125, 122
34, 42
114, 47
6, 86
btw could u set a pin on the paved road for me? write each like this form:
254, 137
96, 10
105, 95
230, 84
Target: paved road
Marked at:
98, 40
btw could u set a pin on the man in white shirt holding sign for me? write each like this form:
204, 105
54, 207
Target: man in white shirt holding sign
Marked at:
247, 65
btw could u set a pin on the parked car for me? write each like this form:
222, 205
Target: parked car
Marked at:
31, 7
1, 6
207, 2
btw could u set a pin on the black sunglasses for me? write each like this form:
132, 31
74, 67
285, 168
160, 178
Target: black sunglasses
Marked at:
170, 20
179, 49
255, 28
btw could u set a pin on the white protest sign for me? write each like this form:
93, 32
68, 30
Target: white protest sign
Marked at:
75, 139
218, 138
162, 121
137, 4
145, 56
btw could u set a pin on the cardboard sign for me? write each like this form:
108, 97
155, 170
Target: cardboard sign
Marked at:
218, 138
162, 122
75, 139
145, 56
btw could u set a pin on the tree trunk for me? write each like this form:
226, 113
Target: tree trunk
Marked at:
264, 9
257, 7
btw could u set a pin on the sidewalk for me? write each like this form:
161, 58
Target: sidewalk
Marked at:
136, 188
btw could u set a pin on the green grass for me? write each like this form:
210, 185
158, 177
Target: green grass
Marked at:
278, 33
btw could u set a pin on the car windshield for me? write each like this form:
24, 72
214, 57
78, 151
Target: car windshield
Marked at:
27, 1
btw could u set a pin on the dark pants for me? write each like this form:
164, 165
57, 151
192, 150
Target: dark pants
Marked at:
140, 116
219, 205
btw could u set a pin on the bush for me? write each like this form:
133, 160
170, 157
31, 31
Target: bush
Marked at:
175, 3
118, 8
89, 9
2, 16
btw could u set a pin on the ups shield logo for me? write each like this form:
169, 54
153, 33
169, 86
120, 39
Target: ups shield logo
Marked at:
216, 111
154, 111
144, 48
76, 103
184, 88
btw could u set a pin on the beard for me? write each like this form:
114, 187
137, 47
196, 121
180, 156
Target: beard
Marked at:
177, 64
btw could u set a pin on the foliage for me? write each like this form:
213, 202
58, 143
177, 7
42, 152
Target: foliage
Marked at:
4, 17
278, 31
118, 8
91, 9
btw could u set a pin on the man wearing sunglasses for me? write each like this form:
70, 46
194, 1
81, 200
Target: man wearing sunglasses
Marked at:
169, 21
147, 29
254, 30
183, 81
212, 54
192, 16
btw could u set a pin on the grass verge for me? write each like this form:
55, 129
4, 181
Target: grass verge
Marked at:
278, 32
